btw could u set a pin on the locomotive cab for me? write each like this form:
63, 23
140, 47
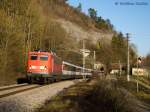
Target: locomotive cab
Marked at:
43, 67
39, 65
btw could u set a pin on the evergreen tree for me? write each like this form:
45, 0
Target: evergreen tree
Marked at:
79, 7
92, 13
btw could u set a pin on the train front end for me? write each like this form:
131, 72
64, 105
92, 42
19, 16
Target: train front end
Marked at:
38, 66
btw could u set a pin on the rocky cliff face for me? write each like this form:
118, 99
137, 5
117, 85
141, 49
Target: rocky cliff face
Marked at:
77, 32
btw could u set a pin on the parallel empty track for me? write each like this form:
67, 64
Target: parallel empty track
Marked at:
12, 86
12, 90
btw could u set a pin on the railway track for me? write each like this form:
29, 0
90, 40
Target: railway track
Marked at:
17, 88
12, 90
12, 86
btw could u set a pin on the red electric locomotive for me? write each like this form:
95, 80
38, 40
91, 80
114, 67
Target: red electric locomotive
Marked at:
43, 67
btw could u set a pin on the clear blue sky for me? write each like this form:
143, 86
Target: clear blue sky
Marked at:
126, 17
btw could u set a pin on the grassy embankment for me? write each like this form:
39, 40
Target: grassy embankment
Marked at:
144, 79
143, 93
102, 95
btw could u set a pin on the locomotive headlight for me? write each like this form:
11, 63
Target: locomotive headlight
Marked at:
42, 67
32, 67
45, 68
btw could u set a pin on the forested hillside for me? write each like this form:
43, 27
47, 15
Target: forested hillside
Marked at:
31, 24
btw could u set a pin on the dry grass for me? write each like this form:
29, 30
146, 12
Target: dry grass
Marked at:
143, 94
145, 79
102, 96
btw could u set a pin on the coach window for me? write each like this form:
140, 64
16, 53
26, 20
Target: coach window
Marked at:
43, 58
33, 57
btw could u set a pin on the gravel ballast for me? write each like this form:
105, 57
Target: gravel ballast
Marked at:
32, 100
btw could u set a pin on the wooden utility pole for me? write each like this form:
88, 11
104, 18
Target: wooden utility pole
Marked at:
128, 58
94, 60
83, 57
137, 84
120, 68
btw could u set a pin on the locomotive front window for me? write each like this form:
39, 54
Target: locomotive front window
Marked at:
33, 57
44, 58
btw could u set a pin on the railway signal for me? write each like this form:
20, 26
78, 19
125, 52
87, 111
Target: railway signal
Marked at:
85, 52
139, 61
